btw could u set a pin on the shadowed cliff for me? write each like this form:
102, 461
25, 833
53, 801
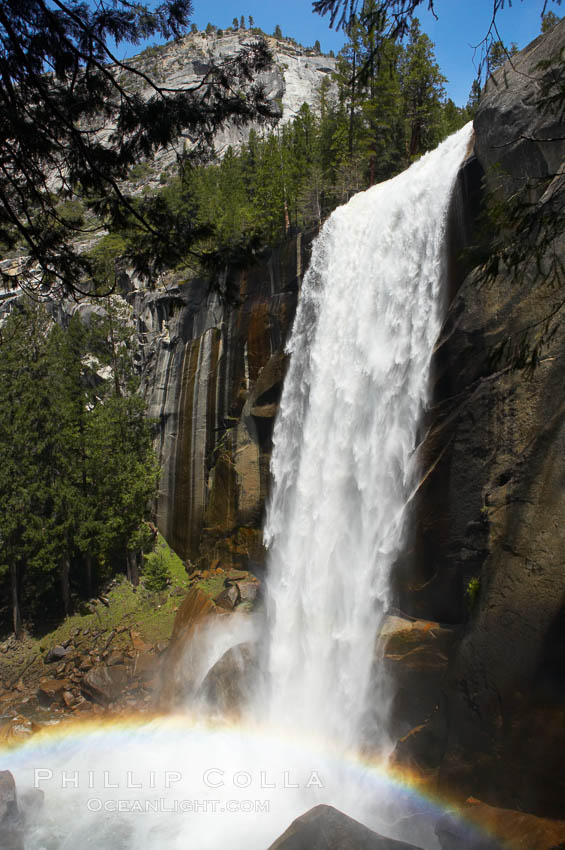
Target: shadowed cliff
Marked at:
486, 556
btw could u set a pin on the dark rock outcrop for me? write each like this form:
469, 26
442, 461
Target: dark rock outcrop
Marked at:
326, 828
487, 554
517, 830
415, 655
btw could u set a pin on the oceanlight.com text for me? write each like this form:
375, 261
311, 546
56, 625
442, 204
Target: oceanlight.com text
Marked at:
162, 805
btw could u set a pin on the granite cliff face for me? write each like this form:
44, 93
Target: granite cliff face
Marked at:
213, 377
487, 554
293, 79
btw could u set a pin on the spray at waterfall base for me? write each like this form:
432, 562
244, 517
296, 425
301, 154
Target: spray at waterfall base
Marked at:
205, 795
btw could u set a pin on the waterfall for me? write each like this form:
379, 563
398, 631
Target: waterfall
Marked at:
342, 462
343, 471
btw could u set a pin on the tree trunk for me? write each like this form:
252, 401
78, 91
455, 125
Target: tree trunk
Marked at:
16, 613
138, 566
133, 568
88, 567
114, 358
65, 586
352, 106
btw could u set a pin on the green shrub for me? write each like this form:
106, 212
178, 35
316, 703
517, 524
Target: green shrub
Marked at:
72, 211
139, 171
105, 254
472, 591
156, 573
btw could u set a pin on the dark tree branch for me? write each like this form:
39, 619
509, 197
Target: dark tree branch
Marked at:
60, 96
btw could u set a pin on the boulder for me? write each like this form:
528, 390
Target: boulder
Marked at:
69, 699
52, 690
195, 607
146, 666
227, 685
249, 590
17, 729
8, 798
105, 684
11, 837
55, 654
229, 597
326, 828
138, 643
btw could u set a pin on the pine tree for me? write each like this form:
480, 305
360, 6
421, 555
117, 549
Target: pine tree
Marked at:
28, 430
346, 77
497, 55
453, 118
474, 98
548, 21
382, 134
423, 92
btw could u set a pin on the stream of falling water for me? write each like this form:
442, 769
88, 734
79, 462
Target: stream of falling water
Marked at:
369, 313
368, 318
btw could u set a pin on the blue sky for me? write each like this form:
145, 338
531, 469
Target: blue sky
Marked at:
460, 26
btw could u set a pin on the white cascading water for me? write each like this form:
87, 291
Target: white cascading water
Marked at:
369, 314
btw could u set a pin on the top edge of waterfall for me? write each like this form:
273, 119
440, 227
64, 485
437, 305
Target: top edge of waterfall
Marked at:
455, 149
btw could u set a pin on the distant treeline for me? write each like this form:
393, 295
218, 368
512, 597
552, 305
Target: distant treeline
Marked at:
369, 123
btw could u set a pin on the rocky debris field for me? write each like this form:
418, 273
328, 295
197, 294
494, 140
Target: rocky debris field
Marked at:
94, 670
110, 656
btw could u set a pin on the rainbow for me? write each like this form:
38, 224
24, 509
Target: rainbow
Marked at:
59, 743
